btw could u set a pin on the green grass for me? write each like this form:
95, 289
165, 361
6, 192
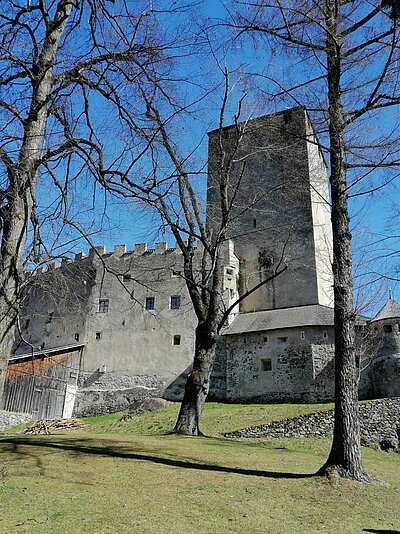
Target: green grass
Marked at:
217, 418
129, 477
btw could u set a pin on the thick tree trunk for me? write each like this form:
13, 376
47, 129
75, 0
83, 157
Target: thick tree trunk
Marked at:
11, 278
198, 382
16, 214
345, 456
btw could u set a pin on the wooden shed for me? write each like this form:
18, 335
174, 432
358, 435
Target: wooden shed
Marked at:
43, 383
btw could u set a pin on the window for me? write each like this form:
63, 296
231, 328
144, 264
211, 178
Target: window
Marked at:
76, 336
387, 328
103, 306
176, 274
254, 223
150, 303
266, 364
302, 335
175, 302
265, 339
177, 340
98, 336
27, 322
127, 278
50, 317
282, 339
229, 272
325, 334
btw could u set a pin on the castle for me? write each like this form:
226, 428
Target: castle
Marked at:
100, 330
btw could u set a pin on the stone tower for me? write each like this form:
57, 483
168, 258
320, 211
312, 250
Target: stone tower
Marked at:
280, 208
384, 370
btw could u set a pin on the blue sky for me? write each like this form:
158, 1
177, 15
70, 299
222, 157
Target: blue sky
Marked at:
113, 220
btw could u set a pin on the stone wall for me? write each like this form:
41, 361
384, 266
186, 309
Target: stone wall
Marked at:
10, 419
288, 365
385, 366
379, 425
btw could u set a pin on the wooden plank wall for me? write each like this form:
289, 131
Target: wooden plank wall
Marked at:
38, 385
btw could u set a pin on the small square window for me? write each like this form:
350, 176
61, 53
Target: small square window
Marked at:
282, 339
176, 274
387, 328
177, 340
127, 278
265, 339
103, 306
266, 364
76, 336
175, 302
150, 303
98, 336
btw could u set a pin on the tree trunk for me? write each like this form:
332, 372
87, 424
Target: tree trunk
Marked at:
345, 456
198, 382
11, 278
16, 214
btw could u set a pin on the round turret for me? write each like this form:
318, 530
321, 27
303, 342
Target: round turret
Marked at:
385, 366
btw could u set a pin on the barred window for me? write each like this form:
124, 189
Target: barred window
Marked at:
175, 302
103, 306
150, 303
266, 364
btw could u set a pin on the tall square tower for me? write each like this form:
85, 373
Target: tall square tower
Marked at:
279, 208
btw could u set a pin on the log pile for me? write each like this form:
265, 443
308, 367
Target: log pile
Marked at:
44, 427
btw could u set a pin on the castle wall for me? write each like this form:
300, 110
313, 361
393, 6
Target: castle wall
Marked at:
384, 369
291, 364
132, 311
277, 208
55, 306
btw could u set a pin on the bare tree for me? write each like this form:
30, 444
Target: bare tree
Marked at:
350, 51
174, 191
62, 81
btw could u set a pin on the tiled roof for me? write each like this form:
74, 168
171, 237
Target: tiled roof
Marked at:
313, 315
390, 310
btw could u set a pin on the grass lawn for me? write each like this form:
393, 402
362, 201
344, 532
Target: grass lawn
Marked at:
132, 477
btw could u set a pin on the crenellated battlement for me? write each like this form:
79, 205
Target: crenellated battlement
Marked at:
139, 249
120, 251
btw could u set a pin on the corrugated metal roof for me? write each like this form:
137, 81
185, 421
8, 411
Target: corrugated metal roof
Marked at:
46, 352
390, 310
313, 315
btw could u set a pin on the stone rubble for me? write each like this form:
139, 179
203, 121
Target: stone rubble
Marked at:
379, 424
10, 419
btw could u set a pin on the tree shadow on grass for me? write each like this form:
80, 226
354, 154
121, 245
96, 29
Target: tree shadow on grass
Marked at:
81, 446
381, 531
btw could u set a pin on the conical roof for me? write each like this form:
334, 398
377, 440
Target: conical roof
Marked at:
390, 310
